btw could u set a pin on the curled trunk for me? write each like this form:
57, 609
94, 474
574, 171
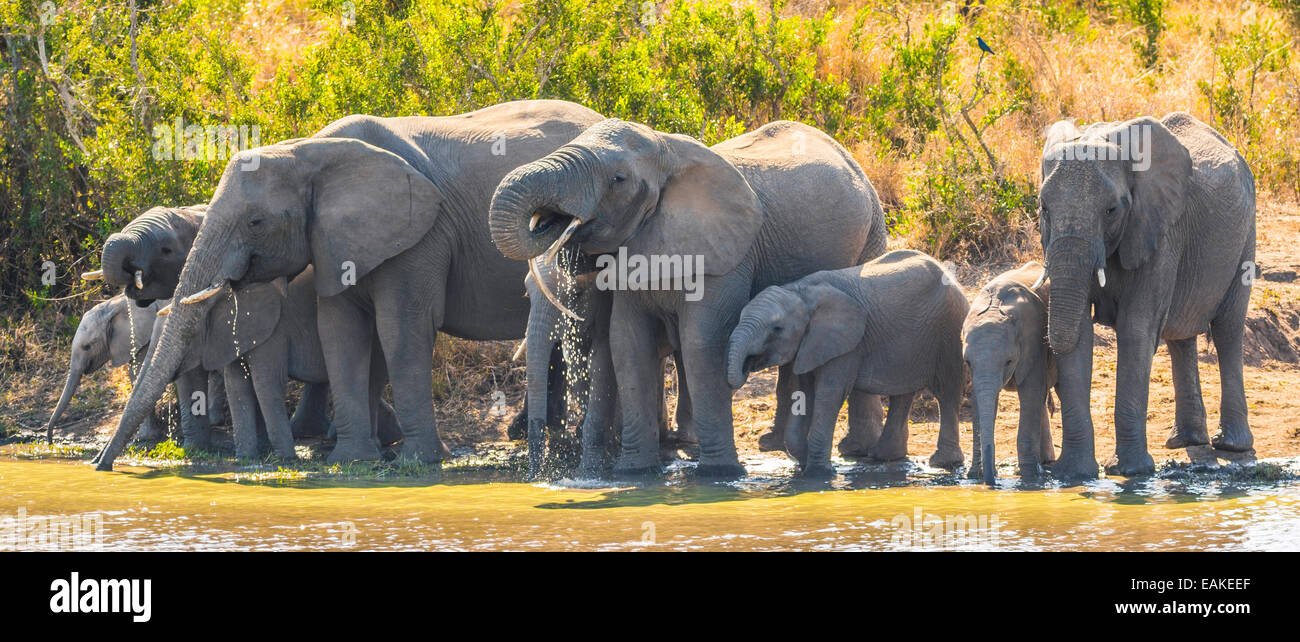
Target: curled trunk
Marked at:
121, 257
745, 342
555, 189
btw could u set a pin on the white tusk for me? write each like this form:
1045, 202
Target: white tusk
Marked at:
1039, 283
139, 280
204, 295
165, 311
564, 238
532, 222
532, 267
97, 275
519, 350
1101, 276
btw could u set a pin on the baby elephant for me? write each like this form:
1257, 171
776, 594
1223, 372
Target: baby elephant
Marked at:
1005, 346
891, 326
116, 332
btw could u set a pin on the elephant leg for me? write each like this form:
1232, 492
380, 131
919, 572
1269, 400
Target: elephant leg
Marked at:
270, 370
704, 333
561, 446
1078, 459
1226, 330
599, 421
216, 398
1136, 336
640, 386
866, 420
382, 416
1029, 433
832, 382
346, 338
195, 427
1046, 451
947, 388
892, 444
311, 416
686, 435
774, 439
1189, 411
794, 437
243, 411
408, 349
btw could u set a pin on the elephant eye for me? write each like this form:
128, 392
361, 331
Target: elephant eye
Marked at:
166, 250
619, 177
254, 222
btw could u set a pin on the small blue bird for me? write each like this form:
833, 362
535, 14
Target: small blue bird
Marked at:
984, 46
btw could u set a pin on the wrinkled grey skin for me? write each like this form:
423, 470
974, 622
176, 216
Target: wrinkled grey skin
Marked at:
155, 243
1177, 242
762, 209
259, 336
889, 327
547, 368
392, 214
1004, 343
105, 336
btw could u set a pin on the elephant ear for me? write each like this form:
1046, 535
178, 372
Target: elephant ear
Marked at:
705, 208
836, 327
241, 322
369, 205
1159, 167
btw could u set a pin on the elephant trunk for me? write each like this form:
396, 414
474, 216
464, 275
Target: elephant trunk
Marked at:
535, 204
75, 372
124, 253
985, 388
210, 264
1070, 266
540, 345
746, 340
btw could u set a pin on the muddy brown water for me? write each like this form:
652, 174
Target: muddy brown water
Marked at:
866, 508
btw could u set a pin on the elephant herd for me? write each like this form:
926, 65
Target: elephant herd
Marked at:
336, 259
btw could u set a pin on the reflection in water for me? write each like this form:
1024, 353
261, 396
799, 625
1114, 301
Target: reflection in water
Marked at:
897, 506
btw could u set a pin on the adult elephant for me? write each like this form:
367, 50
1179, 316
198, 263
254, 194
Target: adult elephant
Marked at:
1151, 224
760, 209
392, 212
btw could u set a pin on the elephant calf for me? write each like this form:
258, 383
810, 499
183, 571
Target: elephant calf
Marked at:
1004, 342
891, 326
116, 332
259, 335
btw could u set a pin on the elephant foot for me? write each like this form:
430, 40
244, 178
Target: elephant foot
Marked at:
1184, 436
635, 473
819, 471
975, 470
1131, 464
947, 459
425, 448
720, 470
1234, 439
633, 466
353, 450
853, 447
1028, 469
683, 439
771, 441
198, 440
590, 470
1070, 466
887, 452
562, 452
